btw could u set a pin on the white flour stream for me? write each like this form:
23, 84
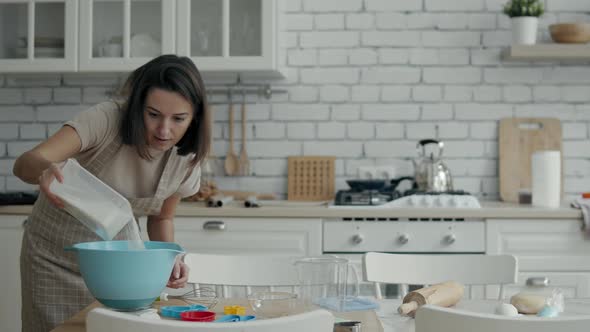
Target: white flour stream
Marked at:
134, 237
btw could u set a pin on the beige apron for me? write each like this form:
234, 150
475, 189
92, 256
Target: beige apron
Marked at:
52, 288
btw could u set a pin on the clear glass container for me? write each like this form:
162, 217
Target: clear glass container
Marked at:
323, 281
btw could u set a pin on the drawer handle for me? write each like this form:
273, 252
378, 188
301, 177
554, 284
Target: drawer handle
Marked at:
214, 225
538, 281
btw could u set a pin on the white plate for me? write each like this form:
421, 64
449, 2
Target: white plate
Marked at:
143, 45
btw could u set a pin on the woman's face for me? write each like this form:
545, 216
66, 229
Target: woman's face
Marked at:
167, 116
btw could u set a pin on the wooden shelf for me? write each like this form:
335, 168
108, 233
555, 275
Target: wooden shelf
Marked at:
580, 52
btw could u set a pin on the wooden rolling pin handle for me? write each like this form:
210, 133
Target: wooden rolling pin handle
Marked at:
407, 308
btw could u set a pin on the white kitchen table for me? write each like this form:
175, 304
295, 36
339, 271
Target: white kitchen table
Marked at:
390, 320
393, 322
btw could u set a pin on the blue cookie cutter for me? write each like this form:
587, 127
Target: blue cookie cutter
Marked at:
234, 318
174, 311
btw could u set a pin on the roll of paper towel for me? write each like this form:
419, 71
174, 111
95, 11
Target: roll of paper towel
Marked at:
546, 178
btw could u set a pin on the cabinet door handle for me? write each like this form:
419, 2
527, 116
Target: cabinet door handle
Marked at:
537, 281
214, 225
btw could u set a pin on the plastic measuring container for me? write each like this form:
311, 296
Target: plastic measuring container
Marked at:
91, 201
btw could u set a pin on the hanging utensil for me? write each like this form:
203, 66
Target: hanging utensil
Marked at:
208, 164
244, 162
232, 165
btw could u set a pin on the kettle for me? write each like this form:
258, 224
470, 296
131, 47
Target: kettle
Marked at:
430, 172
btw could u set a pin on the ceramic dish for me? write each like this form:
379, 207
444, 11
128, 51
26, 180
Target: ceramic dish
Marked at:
571, 33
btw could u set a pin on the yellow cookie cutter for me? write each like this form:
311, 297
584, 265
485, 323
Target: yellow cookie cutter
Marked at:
234, 310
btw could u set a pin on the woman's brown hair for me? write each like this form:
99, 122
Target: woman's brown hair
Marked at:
175, 74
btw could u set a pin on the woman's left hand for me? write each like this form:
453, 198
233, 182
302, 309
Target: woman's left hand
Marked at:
179, 275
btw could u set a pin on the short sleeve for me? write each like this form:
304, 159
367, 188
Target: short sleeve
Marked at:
191, 184
95, 124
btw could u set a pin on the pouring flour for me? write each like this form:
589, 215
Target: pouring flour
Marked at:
95, 204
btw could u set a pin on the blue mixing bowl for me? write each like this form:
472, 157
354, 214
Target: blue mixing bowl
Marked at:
124, 278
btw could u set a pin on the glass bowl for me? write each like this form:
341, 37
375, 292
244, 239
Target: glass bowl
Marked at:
273, 304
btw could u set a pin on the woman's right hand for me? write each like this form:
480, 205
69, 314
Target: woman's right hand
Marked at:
47, 176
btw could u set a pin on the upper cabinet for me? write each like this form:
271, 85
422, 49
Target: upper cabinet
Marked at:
38, 36
120, 35
226, 36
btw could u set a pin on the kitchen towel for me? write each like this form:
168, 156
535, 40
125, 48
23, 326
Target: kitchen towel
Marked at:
584, 205
546, 178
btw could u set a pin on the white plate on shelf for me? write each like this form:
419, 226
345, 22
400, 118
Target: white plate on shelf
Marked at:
143, 45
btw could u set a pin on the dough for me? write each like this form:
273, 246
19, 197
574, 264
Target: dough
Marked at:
528, 303
506, 309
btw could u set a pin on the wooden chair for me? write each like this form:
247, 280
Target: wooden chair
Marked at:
470, 270
239, 275
105, 320
430, 318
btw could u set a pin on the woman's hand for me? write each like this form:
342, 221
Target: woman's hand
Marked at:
179, 275
47, 176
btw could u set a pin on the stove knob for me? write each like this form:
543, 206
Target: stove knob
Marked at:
450, 238
403, 239
357, 239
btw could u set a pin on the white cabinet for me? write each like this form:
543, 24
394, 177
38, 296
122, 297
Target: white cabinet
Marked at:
221, 36
38, 36
11, 232
121, 35
249, 236
228, 35
552, 249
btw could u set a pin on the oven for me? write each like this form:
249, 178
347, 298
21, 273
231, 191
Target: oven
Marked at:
352, 237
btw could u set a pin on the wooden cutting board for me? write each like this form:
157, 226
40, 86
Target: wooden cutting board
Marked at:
518, 139
310, 178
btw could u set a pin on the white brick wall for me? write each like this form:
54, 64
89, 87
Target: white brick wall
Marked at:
365, 80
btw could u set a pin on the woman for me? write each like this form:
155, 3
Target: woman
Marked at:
148, 149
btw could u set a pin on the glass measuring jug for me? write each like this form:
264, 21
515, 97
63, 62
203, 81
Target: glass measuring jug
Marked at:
323, 281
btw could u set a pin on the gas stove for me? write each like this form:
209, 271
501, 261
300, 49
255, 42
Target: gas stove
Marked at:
387, 198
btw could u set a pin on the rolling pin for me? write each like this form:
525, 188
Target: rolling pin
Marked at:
445, 294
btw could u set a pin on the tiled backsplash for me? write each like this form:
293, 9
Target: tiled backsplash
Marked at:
366, 79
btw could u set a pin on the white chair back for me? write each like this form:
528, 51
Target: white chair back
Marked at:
228, 272
105, 320
418, 269
431, 318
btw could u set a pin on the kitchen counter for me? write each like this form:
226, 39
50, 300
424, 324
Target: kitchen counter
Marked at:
288, 209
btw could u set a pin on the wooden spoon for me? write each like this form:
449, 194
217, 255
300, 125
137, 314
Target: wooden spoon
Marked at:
244, 162
232, 164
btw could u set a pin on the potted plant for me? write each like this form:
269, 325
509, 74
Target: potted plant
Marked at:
524, 15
